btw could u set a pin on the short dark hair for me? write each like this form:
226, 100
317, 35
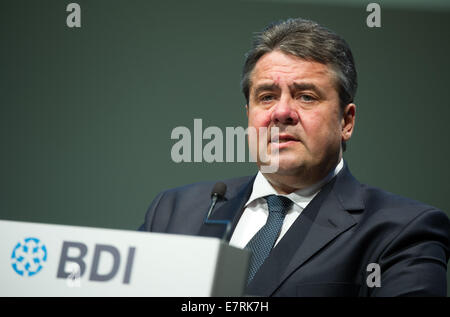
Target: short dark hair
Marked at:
308, 40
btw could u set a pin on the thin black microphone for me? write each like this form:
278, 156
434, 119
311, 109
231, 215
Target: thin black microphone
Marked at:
217, 192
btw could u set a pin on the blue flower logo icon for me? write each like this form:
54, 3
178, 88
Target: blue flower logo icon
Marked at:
28, 257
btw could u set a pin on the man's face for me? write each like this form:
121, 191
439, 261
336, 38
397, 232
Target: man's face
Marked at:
300, 98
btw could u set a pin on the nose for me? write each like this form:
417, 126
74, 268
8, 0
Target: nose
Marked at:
284, 113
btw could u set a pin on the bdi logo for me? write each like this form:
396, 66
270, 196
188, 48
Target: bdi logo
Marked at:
28, 256
100, 251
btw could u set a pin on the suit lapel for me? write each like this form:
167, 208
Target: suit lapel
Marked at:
324, 219
229, 210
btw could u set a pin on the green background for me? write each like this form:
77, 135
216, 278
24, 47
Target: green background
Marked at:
87, 114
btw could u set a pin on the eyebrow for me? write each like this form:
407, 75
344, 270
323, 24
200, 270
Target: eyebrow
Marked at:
293, 87
265, 87
306, 86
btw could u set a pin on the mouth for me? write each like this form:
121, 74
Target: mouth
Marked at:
284, 141
283, 138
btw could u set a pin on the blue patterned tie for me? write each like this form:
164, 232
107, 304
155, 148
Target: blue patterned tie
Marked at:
262, 242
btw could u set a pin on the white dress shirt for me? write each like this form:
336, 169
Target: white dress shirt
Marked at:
256, 209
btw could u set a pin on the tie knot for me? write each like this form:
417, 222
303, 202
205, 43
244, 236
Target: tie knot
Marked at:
278, 203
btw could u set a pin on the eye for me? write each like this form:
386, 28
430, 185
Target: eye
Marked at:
307, 98
266, 98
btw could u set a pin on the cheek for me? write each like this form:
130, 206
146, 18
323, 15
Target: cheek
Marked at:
320, 129
312, 123
258, 118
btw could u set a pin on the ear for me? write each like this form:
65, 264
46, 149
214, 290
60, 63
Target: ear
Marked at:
348, 121
246, 109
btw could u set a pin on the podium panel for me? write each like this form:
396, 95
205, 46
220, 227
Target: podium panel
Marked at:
58, 260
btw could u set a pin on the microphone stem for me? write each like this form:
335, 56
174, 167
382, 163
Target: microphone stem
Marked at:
211, 207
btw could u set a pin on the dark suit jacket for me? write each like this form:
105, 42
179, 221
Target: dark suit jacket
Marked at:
327, 250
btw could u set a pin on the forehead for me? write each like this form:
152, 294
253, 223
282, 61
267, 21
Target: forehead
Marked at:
280, 68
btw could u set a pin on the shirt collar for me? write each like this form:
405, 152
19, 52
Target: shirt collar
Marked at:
302, 197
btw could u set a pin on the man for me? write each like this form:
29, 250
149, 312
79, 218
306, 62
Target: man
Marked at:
314, 230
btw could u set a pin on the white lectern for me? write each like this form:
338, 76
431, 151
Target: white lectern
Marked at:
56, 260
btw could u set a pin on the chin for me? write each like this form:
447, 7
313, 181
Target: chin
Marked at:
290, 166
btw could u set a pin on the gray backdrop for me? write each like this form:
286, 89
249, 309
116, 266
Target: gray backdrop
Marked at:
87, 113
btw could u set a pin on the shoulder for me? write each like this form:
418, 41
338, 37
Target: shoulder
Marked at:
373, 205
385, 216
398, 221
185, 206
205, 187
409, 239
397, 206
